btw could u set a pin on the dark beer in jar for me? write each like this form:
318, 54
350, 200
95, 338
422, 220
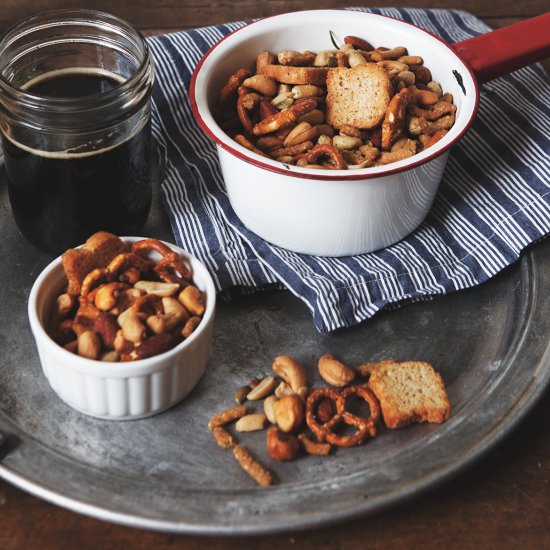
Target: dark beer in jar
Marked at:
76, 128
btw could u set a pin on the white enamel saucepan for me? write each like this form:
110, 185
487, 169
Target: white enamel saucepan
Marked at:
345, 212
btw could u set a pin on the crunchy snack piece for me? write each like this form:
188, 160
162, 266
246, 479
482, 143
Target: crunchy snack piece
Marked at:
97, 252
223, 438
296, 75
261, 475
313, 447
227, 416
410, 391
281, 446
365, 369
358, 96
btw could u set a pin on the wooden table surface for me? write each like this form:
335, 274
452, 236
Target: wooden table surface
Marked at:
501, 502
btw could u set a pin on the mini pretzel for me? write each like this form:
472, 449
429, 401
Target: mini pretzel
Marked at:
325, 431
151, 244
170, 266
242, 113
321, 429
374, 416
395, 118
284, 118
336, 160
125, 261
241, 140
233, 83
94, 279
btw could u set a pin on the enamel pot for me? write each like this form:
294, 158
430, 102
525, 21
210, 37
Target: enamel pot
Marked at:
346, 212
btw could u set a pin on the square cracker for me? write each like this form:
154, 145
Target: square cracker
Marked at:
98, 251
409, 391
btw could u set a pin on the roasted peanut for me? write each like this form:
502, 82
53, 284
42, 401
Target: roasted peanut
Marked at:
263, 389
89, 345
65, 303
289, 412
269, 408
157, 287
251, 422
121, 345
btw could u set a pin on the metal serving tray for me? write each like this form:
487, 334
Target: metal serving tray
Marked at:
491, 345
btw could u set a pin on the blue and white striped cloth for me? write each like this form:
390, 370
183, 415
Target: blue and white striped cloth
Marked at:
493, 201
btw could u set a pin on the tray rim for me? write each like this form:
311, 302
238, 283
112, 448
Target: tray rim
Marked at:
531, 393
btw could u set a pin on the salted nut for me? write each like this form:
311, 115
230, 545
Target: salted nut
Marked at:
289, 412
334, 372
282, 446
294, 94
131, 309
157, 287
263, 389
251, 422
291, 371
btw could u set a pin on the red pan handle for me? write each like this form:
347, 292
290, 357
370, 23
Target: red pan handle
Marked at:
502, 51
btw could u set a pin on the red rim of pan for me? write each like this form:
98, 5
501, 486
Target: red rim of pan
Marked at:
333, 175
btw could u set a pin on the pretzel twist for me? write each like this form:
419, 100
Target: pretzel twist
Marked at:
335, 159
324, 431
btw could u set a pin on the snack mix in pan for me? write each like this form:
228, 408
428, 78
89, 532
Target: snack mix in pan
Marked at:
121, 306
353, 107
346, 413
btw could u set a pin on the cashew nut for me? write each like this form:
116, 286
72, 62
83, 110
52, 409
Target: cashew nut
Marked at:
133, 329
106, 295
291, 371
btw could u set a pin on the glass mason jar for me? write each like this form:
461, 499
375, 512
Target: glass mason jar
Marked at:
75, 96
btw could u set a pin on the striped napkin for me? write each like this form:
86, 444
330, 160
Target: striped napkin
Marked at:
493, 201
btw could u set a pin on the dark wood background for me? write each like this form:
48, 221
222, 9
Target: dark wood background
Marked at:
503, 502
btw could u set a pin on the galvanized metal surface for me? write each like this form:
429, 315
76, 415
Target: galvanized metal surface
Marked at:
491, 345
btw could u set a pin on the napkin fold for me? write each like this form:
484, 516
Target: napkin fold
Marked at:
493, 200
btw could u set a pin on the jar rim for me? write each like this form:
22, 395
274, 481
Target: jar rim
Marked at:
78, 16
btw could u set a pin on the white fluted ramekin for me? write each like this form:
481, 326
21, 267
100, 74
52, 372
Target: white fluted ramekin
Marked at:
120, 391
